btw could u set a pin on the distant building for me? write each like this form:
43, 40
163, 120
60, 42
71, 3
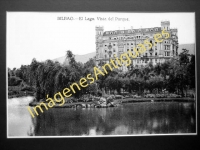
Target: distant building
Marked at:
118, 42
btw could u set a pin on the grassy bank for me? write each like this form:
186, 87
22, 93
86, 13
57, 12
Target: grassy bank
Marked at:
18, 91
118, 101
183, 99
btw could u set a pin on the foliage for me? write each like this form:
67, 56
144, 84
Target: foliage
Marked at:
50, 77
14, 81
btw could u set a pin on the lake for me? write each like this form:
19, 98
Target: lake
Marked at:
127, 119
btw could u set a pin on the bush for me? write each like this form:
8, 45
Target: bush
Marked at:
14, 81
27, 88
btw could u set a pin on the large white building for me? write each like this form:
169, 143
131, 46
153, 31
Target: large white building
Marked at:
118, 42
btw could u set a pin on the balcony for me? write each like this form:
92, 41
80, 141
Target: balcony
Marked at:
151, 50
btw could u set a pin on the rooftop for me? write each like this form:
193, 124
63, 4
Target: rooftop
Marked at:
132, 31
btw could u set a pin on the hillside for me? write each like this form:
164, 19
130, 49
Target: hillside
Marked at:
86, 57
79, 58
190, 47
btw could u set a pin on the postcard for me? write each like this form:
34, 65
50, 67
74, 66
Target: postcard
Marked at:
100, 74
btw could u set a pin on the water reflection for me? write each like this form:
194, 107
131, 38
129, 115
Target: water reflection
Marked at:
128, 119
19, 121
140, 118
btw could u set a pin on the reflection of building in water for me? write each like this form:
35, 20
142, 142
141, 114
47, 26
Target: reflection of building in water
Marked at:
118, 42
102, 113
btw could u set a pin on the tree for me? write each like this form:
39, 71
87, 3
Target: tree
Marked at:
191, 72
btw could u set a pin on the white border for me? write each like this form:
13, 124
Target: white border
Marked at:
98, 136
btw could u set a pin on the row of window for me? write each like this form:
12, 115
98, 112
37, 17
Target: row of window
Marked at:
99, 33
167, 42
166, 28
146, 55
113, 50
128, 44
131, 50
133, 37
167, 53
144, 61
123, 37
131, 31
167, 47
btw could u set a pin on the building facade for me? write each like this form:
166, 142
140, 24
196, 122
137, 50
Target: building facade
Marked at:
115, 43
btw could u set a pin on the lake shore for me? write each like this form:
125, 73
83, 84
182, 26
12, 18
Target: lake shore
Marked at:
119, 101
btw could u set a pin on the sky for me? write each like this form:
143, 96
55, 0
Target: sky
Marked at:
42, 36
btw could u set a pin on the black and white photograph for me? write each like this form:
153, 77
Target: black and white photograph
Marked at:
100, 74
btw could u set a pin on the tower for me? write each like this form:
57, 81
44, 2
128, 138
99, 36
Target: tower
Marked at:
99, 38
165, 25
99, 31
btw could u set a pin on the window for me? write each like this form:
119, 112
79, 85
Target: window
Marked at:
167, 53
131, 43
155, 54
113, 44
105, 45
155, 60
105, 51
127, 49
105, 56
167, 47
113, 50
127, 43
151, 54
131, 49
